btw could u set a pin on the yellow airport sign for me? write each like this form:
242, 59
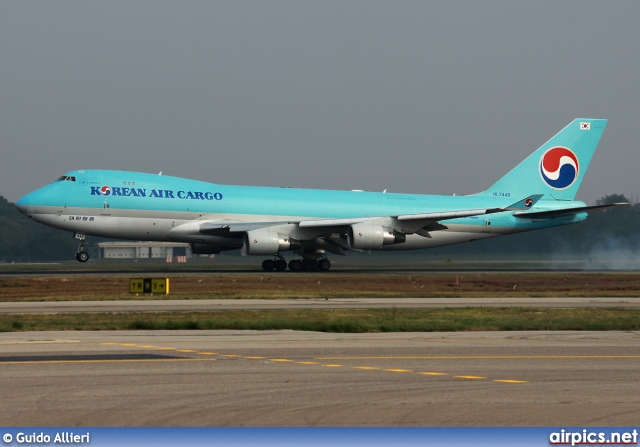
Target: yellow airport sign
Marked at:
149, 285
160, 285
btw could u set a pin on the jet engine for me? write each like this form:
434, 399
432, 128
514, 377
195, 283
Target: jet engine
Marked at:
368, 236
265, 242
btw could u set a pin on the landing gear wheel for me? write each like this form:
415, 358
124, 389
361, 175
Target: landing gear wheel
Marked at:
324, 265
82, 256
310, 265
295, 265
281, 265
268, 265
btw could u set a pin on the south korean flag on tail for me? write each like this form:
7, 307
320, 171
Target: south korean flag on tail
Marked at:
585, 126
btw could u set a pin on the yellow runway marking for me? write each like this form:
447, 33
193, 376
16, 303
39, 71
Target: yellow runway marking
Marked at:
365, 368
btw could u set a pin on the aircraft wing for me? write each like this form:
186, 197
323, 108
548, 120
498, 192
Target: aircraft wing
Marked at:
422, 224
328, 233
427, 217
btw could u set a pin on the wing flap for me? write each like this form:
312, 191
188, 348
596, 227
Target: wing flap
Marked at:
227, 228
334, 222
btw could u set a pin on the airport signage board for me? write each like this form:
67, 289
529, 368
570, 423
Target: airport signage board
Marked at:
149, 285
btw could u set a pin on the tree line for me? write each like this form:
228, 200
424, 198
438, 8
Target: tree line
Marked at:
612, 230
23, 240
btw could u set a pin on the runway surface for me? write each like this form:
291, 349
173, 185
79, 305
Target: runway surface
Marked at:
288, 378
332, 303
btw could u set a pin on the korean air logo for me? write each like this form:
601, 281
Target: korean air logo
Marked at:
105, 190
559, 167
528, 202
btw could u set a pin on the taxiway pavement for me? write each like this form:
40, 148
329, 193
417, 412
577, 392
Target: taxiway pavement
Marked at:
167, 305
289, 378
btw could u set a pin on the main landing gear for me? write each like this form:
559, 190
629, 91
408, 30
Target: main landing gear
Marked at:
278, 264
310, 262
81, 255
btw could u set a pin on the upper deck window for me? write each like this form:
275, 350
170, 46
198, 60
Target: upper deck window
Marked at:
67, 178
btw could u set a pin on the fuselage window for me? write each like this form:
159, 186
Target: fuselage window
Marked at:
68, 178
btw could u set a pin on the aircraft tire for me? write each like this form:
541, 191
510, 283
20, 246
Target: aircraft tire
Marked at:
83, 256
281, 265
324, 265
310, 265
268, 265
295, 265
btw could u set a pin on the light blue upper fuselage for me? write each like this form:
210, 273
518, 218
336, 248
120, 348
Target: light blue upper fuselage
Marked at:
94, 191
149, 192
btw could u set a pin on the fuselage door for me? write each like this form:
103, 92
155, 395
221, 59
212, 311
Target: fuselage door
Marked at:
106, 208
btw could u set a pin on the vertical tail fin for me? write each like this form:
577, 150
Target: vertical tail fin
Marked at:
557, 168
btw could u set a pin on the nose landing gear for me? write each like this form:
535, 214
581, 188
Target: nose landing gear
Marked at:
81, 255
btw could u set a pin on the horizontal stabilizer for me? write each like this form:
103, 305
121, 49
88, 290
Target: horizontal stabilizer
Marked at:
565, 211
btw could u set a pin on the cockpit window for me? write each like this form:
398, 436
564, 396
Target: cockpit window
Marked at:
67, 178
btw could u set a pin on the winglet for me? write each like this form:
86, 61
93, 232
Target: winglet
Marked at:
522, 205
525, 204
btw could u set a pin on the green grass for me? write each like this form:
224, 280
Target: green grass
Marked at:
346, 321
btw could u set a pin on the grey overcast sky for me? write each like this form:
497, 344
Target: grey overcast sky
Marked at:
410, 96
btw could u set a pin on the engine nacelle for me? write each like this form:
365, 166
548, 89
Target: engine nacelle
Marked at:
366, 236
265, 242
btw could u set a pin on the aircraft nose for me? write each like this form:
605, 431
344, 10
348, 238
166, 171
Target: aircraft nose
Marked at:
23, 204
